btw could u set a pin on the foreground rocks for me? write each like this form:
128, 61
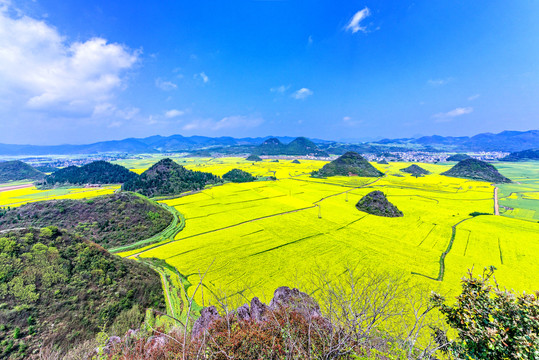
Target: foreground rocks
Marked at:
283, 298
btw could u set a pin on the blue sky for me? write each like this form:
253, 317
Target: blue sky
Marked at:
82, 71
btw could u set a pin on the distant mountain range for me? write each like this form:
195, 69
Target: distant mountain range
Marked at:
505, 141
509, 141
152, 144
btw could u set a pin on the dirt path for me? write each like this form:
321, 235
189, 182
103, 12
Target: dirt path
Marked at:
496, 206
15, 187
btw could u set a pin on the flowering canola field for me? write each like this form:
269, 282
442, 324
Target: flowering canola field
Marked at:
251, 238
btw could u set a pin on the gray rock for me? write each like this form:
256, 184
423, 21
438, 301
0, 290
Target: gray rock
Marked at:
244, 313
294, 299
207, 316
259, 310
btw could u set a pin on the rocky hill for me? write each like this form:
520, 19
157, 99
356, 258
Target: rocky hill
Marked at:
238, 176
168, 178
458, 157
18, 170
376, 203
415, 170
59, 290
350, 163
522, 155
110, 220
97, 172
298, 146
476, 170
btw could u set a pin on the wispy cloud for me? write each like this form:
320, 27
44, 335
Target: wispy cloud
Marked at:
302, 94
354, 25
448, 116
165, 85
348, 121
229, 122
173, 113
280, 89
474, 97
439, 82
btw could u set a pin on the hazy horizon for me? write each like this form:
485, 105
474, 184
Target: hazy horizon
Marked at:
81, 72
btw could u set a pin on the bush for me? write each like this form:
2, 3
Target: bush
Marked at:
492, 323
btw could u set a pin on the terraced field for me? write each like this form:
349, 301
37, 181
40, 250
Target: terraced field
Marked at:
261, 235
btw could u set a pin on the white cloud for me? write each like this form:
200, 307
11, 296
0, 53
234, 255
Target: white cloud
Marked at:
474, 97
202, 76
174, 113
302, 94
354, 24
229, 122
346, 118
310, 40
447, 116
41, 70
439, 82
280, 89
165, 85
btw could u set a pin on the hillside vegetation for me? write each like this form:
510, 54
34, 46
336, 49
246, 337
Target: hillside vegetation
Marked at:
253, 157
97, 172
476, 170
376, 203
458, 157
350, 163
56, 288
110, 220
238, 176
522, 155
18, 170
415, 170
168, 178
298, 146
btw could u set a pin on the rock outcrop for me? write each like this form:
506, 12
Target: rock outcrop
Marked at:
376, 203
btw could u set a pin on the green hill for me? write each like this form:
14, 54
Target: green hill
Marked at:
415, 170
347, 164
298, 146
522, 155
458, 157
97, 172
376, 203
238, 176
168, 178
253, 157
110, 220
476, 170
18, 170
57, 289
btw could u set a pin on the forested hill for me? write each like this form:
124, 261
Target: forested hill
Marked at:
168, 178
58, 289
110, 220
349, 163
18, 170
298, 146
522, 155
476, 170
97, 172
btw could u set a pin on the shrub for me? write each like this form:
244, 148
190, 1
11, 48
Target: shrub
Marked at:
492, 323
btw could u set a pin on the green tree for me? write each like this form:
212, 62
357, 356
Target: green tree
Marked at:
492, 323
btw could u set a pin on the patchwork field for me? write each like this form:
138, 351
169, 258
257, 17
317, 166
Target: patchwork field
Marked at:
254, 237
521, 199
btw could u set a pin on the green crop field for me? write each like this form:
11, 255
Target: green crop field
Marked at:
520, 199
254, 237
